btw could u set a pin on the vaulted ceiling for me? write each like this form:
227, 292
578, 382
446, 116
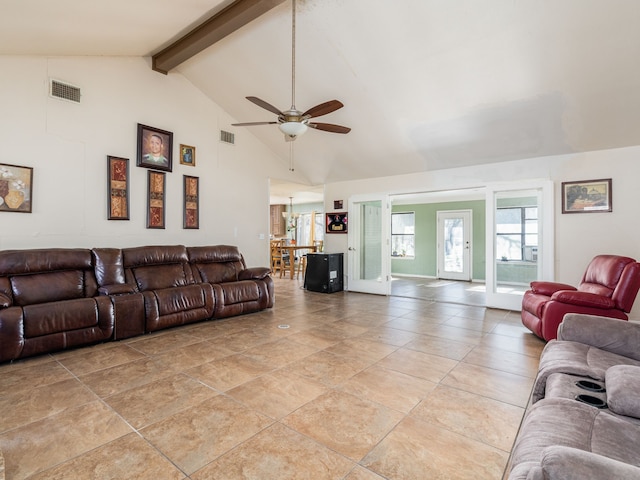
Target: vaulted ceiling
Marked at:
426, 84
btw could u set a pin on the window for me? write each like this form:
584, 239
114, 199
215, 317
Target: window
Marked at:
517, 233
403, 227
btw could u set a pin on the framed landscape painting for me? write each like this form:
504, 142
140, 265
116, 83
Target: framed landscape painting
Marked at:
586, 196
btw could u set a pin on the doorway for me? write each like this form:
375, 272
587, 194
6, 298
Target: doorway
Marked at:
454, 244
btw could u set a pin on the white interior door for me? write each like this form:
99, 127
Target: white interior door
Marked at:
454, 244
369, 265
520, 240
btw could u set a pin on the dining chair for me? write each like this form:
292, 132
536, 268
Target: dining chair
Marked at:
277, 262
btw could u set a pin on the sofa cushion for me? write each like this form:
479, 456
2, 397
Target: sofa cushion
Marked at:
217, 272
565, 463
623, 390
160, 276
62, 316
47, 287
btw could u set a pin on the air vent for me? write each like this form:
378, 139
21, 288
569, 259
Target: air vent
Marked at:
227, 137
65, 91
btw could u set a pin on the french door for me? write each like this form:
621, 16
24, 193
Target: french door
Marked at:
520, 247
369, 264
454, 244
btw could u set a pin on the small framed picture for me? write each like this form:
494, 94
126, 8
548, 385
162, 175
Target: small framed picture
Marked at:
155, 148
155, 199
586, 196
336, 222
191, 202
16, 188
187, 155
118, 188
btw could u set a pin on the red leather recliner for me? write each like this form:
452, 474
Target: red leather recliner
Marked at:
608, 288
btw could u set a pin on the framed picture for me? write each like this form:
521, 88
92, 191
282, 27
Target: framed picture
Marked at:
336, 222
16, 188
187, 155
118, 188
191, 216
156, 199
155, 148
587, 196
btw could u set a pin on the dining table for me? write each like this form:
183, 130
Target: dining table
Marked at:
291, 249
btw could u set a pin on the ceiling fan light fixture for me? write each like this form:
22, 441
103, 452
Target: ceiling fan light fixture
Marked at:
292, 129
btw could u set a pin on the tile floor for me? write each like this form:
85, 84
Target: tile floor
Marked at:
358, 387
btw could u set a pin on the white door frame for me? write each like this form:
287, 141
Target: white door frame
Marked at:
381, 285
467, 221
546, 255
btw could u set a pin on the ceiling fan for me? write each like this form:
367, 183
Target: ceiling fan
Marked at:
294, 122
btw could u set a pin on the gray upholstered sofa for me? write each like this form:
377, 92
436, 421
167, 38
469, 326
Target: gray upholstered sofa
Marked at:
583, 421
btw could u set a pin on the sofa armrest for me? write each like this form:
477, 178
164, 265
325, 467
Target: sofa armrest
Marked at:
566, 463
584, 299
117, 289
610, 334
5, 301
254, 273
549, 288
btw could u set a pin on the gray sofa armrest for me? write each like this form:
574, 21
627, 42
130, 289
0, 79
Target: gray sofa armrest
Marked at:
566, 463
609, 334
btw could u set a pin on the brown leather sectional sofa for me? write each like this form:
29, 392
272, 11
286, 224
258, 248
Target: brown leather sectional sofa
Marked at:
52, 299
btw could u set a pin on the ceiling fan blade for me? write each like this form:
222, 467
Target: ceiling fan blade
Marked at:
247, 124
330, 127
265, 105
323, 108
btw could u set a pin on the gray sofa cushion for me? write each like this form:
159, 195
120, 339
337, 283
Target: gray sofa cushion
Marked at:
565, 463
623, 390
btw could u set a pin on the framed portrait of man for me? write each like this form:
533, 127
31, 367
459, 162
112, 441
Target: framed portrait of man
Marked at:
155, 148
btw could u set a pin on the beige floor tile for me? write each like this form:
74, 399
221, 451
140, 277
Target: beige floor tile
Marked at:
527, 344
418, 450
43, 444
228, 372
390, 388
422, 365
479, 324
162, 341
31, 375
362, 349
19, 409
280, 353
483, 419
194, 355
503, 360
136, 459
415, 325
345, 423
440, 346
87, 360
496, 384
155, 401
126, 376
462, 335
361, 473
277, 453
391, 336
197, 436
327, 368
278, 394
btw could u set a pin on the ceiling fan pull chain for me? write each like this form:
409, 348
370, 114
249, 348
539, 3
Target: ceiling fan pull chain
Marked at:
293, 55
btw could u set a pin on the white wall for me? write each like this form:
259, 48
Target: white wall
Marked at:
579, 237
67, 145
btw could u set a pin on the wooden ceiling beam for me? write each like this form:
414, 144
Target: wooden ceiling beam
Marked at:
227, 21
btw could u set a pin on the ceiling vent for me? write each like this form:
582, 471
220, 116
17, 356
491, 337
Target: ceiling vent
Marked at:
227, 137
64, 91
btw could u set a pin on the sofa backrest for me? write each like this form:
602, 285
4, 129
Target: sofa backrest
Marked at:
156, 267
615, 277
35, 276
216, 264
